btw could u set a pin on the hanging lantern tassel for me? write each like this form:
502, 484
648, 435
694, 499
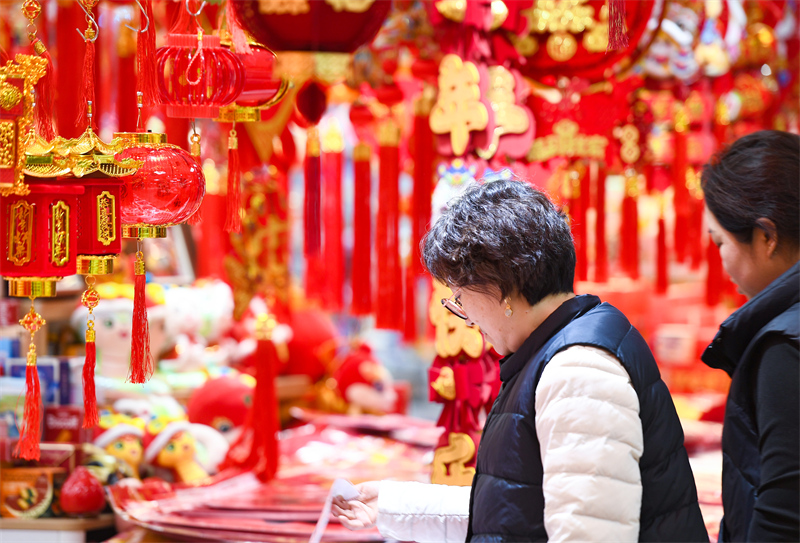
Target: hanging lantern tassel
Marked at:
141, 359
30, 433
233, 219
617, 33
256, 449
44, 94
629, 240
312, 207
146, 82
87, 80
387, 239
89, 300
662, 277
196, 218
362, 217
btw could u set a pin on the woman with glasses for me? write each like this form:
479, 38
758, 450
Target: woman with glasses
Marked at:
583, 441
753, 214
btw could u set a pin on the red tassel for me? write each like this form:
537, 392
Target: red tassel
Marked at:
423, 179
334, 254
361, 276
311, 215
617, 33
44, 94
90, 417
390, 286
146, 82
577, 212
681, 192
601, 248
85, 113
629, 229
662, 278
141, 359
28, 445
181, 20
238, 37
410, 313
233, 218
256, 449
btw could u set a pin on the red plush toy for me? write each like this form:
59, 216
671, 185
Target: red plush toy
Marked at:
363, 383
222, 403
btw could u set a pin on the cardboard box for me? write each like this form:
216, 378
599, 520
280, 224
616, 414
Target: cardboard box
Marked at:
28, 492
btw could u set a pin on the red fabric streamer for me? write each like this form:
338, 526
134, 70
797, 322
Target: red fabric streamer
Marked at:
127, 110
696, 226
311, 217
28, 444
362, 232
714, 279
141, 358
146, 82
390, 286
662, 277
87, 89
233, 218
410, 312
681, 192
334, 255
45, 94
577, 208
90, 416
629, 236
423, 185
601, 248
238, 37
617, 33
256, 449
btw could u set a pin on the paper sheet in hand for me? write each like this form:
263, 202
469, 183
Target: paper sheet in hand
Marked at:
340, 487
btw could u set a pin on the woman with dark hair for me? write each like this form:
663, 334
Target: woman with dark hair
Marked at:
753, 214
583, 441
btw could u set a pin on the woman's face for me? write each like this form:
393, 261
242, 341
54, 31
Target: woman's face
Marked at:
487, 311
748, 268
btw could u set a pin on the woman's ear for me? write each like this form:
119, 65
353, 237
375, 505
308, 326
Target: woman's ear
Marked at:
767, 233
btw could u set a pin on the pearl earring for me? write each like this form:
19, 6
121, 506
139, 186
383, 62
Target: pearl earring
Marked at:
509, 311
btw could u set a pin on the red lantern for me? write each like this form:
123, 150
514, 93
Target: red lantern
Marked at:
196, 76
166, 190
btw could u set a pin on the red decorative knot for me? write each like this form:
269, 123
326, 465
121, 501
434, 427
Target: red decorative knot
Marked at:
90, 298
32, 322
31, 9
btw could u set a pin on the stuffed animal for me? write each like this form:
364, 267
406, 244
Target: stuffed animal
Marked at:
121, 437
188, 452
222, 403
360, 384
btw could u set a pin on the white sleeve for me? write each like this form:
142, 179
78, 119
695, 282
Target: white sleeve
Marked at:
410, 511
590, 435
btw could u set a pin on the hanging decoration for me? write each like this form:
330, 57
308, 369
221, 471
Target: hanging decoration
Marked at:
87, 100
387, 235
314, 41
465, 377
333, 255
361, 281
44, 88
166, 190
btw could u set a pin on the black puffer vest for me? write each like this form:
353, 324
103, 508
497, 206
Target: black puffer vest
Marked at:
775, 310
507, 502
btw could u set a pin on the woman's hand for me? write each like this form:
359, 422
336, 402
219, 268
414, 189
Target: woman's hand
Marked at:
361, 512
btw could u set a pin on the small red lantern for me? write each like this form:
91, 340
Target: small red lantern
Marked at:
166, 189
196, 75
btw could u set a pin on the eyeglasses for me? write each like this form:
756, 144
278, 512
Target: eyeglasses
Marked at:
454, 306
